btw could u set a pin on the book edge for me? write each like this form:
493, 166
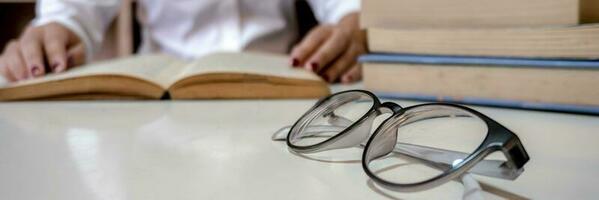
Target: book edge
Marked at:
555, 107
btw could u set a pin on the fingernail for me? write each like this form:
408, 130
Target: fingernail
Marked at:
57, 68
61, 68
326, 78
36, 71
295, 62
70, 61
54, 66
313, 66
348, 79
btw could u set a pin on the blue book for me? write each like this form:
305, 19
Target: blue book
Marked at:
441, 61
471, 60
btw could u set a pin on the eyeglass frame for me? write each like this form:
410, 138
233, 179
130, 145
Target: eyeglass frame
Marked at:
498, 138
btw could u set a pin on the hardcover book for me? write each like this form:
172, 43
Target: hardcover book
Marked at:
402, 14
573, 42
547, 84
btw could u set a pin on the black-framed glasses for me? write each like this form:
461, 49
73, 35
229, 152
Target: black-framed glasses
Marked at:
414, 148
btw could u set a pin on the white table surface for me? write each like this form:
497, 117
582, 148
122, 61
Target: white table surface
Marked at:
222, 150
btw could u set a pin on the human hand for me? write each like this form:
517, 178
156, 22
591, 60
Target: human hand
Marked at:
332, 50
51, 48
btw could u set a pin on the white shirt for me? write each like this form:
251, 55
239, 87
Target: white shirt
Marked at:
191, 28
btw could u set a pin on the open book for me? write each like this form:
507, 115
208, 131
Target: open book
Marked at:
158, 76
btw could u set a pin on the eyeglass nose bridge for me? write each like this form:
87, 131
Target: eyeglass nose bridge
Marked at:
390, 107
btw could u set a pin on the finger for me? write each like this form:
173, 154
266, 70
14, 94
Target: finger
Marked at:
55, 46
330, 50
5, 72
14, 61
56, 30
32, 53
352, 75
341, 65
75, 56
301, 52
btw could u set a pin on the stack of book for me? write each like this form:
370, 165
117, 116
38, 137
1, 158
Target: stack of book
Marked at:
539, 54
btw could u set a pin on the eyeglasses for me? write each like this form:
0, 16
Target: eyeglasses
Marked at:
415, 148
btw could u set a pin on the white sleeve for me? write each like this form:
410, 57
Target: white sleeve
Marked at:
89, 19
331, 11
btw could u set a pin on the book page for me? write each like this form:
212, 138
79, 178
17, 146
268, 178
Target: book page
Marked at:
247, 63
3, 81
157, 68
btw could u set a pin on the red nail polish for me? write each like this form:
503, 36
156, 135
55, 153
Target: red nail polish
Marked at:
326, 78
313, 66
70, 61
295, 62
54, 66
36, 71
62, 67
348, 79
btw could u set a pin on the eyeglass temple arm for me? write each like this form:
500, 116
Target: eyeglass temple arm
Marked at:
488, 167
433, 156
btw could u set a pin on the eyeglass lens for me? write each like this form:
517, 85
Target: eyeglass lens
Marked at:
331, 117
418, 133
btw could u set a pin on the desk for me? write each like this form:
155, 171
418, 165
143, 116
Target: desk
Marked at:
222, 150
